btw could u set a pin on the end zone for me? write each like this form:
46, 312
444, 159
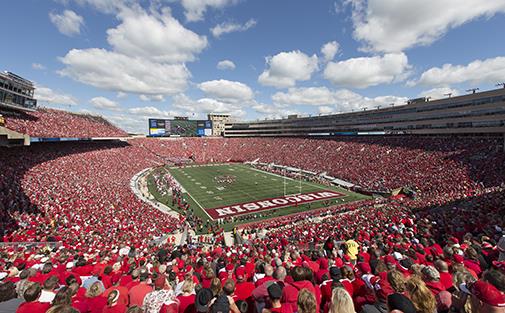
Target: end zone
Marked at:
271, 203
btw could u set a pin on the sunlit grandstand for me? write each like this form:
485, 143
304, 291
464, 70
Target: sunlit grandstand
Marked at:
359, 171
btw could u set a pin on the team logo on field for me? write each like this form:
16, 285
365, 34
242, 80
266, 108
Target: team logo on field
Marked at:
225, 179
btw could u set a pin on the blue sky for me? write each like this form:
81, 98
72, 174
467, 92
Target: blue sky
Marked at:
129, 60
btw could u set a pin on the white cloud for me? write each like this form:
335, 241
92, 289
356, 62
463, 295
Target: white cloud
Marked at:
393, 25
228, 27
155, 98
117, 72
104, 103
68, 23
342, 100
44, 94
225, 90
325, 109
121, 95
207, 105
106, 6
286, 68
195, 9
329, 50
478, 71
225, 65
367, 71
167, 41
150, 111
272, 111
439, 93
38, 66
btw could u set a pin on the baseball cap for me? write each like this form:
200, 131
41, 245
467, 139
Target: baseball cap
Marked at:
221, 305
274, 291
488, 293
202, 299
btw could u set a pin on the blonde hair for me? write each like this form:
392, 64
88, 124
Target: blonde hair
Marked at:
188, 286
422, 298
94, 290
341, 301
396, 280
306, 302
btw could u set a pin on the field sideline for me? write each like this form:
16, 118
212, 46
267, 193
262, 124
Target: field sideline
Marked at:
224, 185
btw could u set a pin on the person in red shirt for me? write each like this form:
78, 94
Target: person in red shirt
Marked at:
32, 305
94, 299
138, 292
269, 271
123, 291
113, 303
243, 289
187, 299
445, 276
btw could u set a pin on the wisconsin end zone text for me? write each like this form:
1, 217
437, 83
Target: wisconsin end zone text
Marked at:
272, 203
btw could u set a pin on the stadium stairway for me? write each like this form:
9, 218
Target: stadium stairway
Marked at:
228, 239
9, 137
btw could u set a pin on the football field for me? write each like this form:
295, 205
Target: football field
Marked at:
231, 190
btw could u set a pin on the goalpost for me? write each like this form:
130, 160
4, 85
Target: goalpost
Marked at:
299, 183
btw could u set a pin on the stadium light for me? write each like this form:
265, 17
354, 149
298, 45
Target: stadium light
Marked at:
473, 90
500, 85
392, 104
448, 94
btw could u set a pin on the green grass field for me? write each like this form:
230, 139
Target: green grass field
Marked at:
249, 184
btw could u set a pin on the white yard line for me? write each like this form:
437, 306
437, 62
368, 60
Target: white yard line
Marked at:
289, 178
201, 207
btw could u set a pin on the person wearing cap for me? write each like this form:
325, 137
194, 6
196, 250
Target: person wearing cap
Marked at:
202, 300
485, 297
400, 302
275, 294
138, 292
431, 278
243, 288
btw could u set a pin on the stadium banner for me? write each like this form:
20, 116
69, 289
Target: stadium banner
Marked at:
272, 203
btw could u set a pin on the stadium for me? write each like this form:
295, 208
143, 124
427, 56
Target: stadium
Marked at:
393, 208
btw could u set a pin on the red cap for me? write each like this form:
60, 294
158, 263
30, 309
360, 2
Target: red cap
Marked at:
240, 273
229, 267
390, 259
488, 293
458, 258
364, 268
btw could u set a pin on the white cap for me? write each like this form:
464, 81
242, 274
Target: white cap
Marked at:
69, 265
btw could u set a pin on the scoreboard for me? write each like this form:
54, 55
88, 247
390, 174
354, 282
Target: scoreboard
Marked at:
179, 128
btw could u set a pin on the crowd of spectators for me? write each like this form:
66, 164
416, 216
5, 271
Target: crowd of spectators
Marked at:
442, 251
51, 123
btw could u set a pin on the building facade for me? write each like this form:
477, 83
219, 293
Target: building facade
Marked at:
218, 123
478, 113
16, 92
